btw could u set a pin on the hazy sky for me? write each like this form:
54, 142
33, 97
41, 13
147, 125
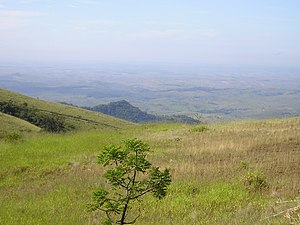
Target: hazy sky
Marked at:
259, 32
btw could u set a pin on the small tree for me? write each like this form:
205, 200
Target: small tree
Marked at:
131, 176
254, 179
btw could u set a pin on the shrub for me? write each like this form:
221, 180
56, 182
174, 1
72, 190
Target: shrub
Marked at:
51, 123
199, 129
253, 179
131, 177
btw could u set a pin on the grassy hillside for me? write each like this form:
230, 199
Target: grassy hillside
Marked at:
10, 124
49, 179
75, 117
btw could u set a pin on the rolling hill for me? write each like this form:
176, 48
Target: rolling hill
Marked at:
124, 110
11, 124
74, 118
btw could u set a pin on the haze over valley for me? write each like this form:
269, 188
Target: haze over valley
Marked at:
214, 92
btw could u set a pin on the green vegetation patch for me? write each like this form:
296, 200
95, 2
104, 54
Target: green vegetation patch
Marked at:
204, 203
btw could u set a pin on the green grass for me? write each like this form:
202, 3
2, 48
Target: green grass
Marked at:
10, 124
49, 178
79, 118
47, 152
65, 202
202, 203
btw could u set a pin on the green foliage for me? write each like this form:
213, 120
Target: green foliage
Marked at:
253, 179
200, 129
51, 123
131, 176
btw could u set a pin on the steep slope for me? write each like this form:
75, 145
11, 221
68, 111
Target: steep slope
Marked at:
73, 117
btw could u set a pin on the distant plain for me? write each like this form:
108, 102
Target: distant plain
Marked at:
214, 93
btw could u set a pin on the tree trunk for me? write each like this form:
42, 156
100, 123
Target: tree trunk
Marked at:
122, 222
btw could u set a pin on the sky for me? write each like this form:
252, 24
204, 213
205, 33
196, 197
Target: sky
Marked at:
230, 32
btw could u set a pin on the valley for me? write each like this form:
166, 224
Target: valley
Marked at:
216, 93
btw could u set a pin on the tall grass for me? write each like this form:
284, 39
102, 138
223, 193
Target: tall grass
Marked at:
49, 179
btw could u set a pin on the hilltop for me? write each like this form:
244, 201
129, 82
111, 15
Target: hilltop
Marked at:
124, 110
72, 118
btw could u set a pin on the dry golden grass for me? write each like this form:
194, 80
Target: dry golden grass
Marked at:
272, 146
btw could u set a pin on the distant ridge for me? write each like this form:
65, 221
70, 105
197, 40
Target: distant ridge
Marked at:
124, 110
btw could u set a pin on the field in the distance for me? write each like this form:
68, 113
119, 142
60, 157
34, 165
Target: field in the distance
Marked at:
218, 93
49, 179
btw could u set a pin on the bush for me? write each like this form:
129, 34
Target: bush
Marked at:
254, 179
131, 177
51, 123
199, 129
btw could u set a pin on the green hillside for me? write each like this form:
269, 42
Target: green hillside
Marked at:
50, 178
10, 124
73, 117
